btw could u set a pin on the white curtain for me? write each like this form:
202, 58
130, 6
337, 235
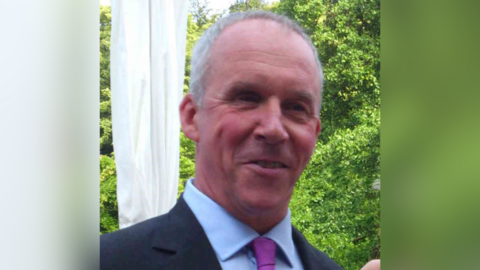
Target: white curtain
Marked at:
147, 67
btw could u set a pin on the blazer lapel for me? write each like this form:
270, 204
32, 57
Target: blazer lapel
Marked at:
310, 256
182, 237
180, 243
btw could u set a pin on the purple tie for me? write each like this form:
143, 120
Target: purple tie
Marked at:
264, 250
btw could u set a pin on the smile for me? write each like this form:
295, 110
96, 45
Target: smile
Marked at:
269, 164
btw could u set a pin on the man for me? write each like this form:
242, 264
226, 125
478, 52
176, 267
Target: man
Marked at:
253, 112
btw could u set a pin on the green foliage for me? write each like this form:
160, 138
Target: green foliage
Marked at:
273, 7
193, 34
187, 147
108, 177
194, 31
200, 10
106, 146
349, 45
334, 203
108, 199
106, 143
105, 29
242, 5
306, 12
187, 161
108, 195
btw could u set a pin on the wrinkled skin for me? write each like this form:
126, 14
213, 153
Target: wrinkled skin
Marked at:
258, 122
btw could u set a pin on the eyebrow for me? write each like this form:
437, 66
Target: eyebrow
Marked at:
304, 96
300, 94
239, 86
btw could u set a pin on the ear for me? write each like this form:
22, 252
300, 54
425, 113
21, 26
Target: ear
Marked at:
188, 117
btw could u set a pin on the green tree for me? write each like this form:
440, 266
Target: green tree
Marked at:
187, 147
108, 195
349, 45
244, 5
108, 176
334, 203
106, 146
108, 179
200, 11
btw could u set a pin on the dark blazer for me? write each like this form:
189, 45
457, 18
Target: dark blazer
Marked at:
177, 241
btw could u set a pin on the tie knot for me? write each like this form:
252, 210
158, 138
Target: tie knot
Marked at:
264, 250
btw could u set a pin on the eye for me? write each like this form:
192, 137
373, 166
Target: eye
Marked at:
248, 97
296, 107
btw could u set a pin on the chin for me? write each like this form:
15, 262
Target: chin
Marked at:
265, 204
262, 195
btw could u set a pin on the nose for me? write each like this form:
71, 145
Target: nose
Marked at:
270, 128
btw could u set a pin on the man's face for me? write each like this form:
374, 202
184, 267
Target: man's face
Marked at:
258, 122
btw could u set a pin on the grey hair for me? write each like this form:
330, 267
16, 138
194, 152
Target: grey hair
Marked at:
202, 50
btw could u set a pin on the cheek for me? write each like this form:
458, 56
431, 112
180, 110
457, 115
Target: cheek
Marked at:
305, 142
230, 132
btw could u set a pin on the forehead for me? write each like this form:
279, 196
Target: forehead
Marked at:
263, 35
265, 51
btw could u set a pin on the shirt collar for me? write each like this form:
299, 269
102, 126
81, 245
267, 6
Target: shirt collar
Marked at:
228, 235
282, 235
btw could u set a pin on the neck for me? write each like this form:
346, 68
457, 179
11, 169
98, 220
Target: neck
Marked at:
260, 220
262, 224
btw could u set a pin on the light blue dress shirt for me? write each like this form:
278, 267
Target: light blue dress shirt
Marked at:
229, 236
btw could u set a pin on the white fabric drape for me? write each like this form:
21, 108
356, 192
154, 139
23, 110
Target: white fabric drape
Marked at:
147, 56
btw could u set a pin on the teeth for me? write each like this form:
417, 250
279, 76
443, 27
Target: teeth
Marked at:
267, 164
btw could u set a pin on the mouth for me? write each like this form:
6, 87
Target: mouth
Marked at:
269, 164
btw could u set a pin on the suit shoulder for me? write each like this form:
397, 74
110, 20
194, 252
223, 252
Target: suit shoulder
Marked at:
326, 259
311, 253
129, 245
135, 233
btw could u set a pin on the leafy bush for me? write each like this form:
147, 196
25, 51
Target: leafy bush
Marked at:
108, 195
334, 203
